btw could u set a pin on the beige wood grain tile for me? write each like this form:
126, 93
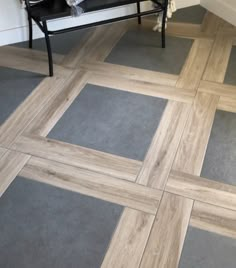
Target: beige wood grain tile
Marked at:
219, 89
2, 151
168, 233
55, 108
142, 87
93, 184
227, 104
78, 156
77, 54
202, 189
10, 165
219, 58
27, 111
211, 23
105, 42
214, 219
131, 73
192, 149
129, 240
28, 59
195, 64
161, 153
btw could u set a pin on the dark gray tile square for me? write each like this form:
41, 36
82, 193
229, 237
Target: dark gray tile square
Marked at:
110, 120
141, 48
15, 86
192, 14
61, 43
42, 226
230, 76
219, 163
203, 249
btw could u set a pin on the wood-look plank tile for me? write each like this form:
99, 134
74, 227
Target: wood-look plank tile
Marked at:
161, 153
219, 58
2, 151
28, 59
214, 219
192, 149
55, 108
11, 164
93, 184
227, 104
97, 46
219, 89
195, 64
27, 111
131, 73
202, 189
142, 87
211, 23
129, 240
78, 156
168, 233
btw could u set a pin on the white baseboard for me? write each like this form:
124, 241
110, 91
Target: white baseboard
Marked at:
225, 9
186, 3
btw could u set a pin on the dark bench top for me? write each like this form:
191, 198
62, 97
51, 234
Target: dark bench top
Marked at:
53, 9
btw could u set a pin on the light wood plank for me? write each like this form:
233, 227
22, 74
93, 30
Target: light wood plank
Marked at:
129, 240
55, 108
168, 233
97, 46
195, 64
141, 87
219, 89
202, 189
77, 54
107, 41
161, 153
28, 60
27, 111
211, 24
2, 151
227, 104
214, 219
131, 73
195, 138
10, 165
219, 58
93, 184
78, 156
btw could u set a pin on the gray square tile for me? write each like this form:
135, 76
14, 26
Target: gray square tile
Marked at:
193, 14
42, 226
230, 76
110, 120
203, 249
141, 48
219, 163
61, 43
15, 86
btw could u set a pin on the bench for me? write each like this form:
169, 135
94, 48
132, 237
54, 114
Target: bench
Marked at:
46, 10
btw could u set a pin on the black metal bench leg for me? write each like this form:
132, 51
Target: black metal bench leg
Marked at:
163, 29
47, 39
138, 11
30, 32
